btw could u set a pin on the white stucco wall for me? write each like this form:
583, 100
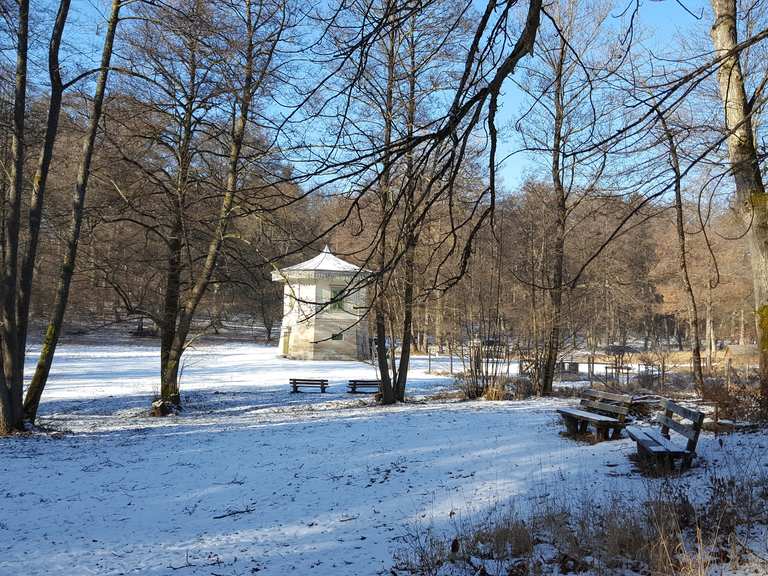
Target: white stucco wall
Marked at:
307, 327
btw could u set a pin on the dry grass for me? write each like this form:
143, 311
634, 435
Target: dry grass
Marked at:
500, 387
665, 534
738, 400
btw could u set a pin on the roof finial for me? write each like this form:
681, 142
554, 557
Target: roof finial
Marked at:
326, 250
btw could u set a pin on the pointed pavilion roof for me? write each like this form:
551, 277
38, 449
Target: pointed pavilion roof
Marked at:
324, 264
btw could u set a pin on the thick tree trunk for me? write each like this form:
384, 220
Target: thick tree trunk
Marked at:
169, 379
171, 310
11, 387
751, 197
40, 180
169, 326
169, 390
53, 331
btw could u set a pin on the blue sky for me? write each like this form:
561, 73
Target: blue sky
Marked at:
663, 23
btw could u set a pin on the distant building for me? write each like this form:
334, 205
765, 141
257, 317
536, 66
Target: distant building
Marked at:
320, 320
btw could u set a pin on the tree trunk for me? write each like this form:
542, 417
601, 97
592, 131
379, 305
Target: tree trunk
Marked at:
405, 351
388, 384
169, 379
751, 197
698, 374
170, 371
169, 391
558, 263
409, 225
39, 182
710, 334
11, 387
387, 391
53, 331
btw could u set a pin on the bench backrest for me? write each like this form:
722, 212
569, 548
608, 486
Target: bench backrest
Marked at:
608, 403
690, 431
308, 381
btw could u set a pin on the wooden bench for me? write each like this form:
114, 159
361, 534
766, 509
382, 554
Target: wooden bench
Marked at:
655, 447
297, 383
604, 411
369, 386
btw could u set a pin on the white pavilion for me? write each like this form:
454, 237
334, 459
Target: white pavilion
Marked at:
320, 320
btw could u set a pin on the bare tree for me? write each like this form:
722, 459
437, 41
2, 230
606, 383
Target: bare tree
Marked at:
12, 387
212, 63
53, 331
751, 196
570, 106
674, 161
19, 269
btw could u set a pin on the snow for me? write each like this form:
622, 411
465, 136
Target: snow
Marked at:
250, 478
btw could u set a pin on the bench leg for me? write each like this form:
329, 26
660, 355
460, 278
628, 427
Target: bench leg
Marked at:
571, 425
601, 433
653, 463
295, 389
645, 456
583, 427
322, 389
661, 464
616, 434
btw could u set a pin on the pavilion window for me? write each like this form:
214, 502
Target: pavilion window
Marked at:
337, 300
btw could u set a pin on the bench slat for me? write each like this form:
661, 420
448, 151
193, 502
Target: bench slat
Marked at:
649, 437
646, 441
613, 408
297, 383
363, 385
590, 416
682, 429
694, 416
601, 395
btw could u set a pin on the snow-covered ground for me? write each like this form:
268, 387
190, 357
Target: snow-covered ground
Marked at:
87, 378
251, 478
